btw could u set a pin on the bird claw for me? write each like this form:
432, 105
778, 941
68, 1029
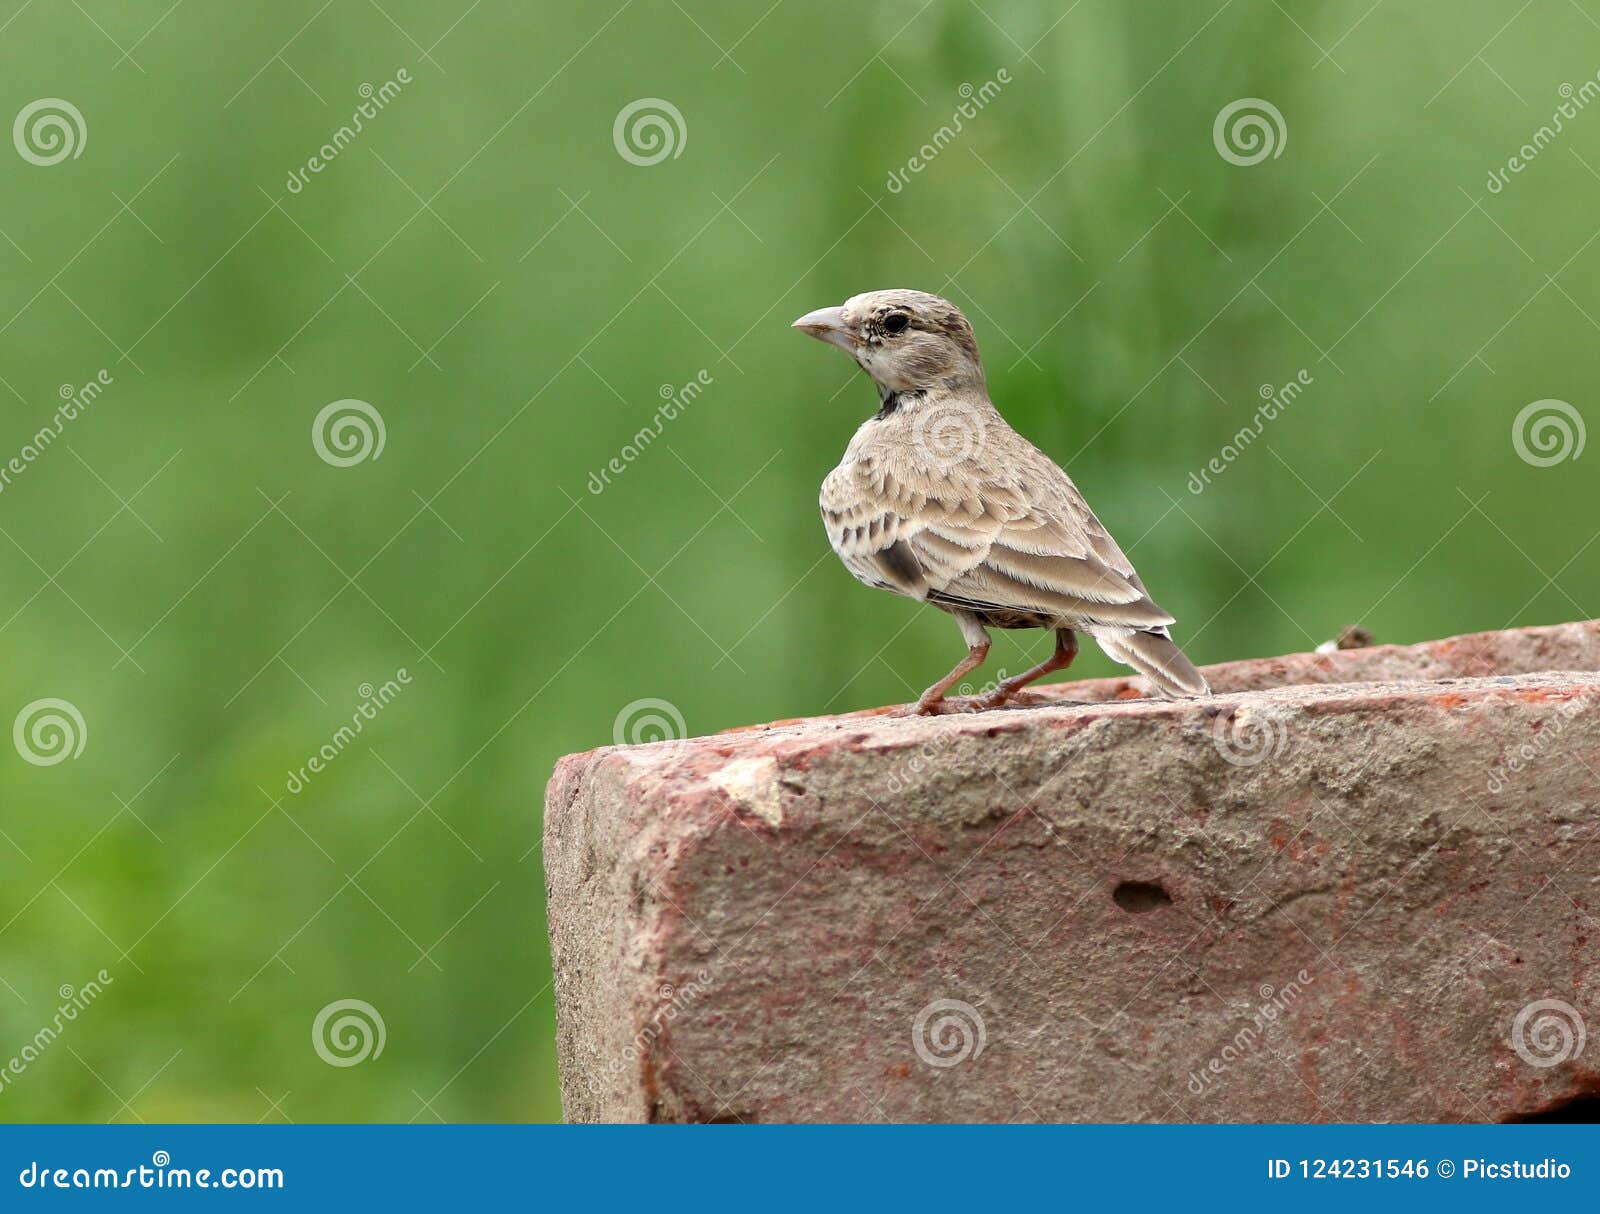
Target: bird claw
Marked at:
1010, 699
936, 708
942, 707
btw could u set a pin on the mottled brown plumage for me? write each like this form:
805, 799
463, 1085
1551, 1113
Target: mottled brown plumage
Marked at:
939, 500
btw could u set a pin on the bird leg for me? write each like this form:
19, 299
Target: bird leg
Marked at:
1007, 689
932, 702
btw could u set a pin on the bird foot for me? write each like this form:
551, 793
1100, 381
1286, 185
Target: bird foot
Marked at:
935, 708
1010, 699
941, 706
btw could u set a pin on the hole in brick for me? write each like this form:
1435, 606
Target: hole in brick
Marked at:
1137, 897
1580, 1110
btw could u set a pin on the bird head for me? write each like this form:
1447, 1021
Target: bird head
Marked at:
907, 341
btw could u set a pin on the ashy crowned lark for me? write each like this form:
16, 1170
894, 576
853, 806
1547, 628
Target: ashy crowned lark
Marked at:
938, 499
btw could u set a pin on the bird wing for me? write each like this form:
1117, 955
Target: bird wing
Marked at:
1017, 538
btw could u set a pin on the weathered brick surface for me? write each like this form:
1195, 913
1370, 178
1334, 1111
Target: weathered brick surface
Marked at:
1316, 902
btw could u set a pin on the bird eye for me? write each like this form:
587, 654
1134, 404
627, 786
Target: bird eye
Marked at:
896, 322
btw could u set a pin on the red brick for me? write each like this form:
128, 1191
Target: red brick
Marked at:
750, 925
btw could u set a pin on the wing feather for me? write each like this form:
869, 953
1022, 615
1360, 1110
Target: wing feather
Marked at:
1014, 540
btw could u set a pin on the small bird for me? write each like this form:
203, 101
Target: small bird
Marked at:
939, 500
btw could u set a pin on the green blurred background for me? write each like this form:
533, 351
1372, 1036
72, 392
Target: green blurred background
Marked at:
510, 293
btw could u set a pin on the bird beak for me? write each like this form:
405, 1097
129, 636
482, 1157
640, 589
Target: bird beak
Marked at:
827, 324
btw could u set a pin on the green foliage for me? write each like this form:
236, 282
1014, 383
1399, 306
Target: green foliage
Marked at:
483, 267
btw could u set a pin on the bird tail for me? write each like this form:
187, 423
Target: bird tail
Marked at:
1153, 654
